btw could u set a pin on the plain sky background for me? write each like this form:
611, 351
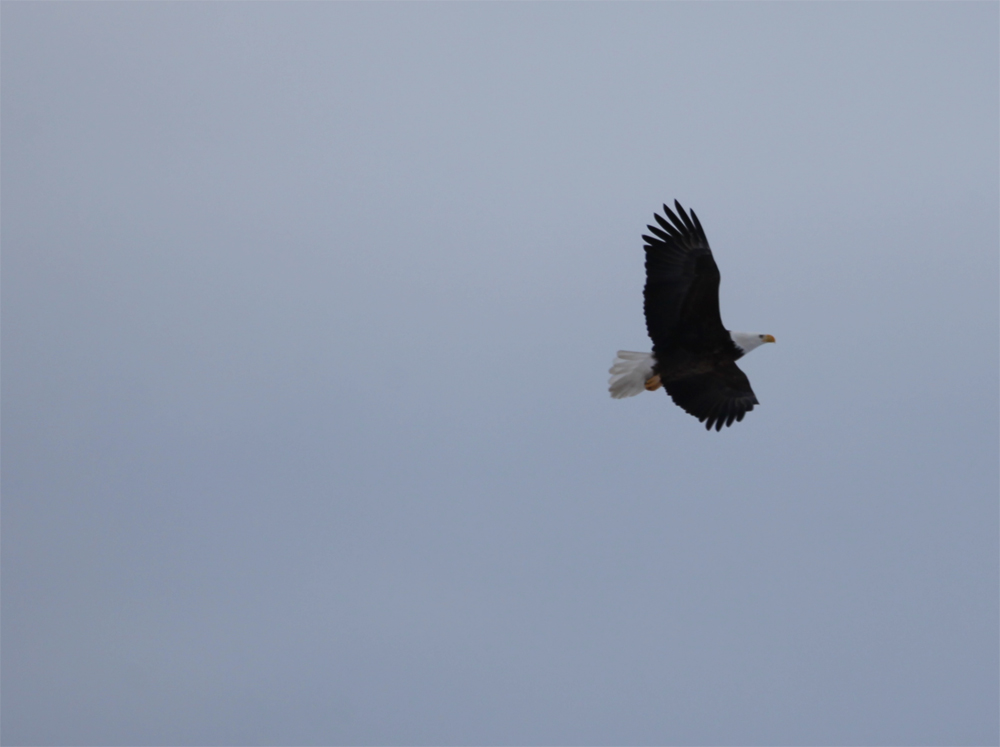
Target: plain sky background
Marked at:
307, 316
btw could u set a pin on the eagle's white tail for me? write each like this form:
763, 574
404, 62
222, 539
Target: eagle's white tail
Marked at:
629, 373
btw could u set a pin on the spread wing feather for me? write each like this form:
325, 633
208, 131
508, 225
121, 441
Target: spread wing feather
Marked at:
682, 284
716, 398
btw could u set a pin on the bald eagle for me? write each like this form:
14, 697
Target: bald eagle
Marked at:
694, 356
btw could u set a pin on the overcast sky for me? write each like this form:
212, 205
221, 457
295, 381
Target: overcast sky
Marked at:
307, 316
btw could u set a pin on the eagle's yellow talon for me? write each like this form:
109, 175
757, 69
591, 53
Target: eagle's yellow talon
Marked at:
653, 384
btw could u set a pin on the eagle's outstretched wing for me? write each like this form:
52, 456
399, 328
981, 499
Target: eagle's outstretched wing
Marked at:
682, 284
718, 397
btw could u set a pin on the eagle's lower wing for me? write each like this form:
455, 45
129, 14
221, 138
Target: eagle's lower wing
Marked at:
682, 284
720, 396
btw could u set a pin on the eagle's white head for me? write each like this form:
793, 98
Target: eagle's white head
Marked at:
747, 341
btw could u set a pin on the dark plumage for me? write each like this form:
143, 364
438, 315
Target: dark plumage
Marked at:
693, 353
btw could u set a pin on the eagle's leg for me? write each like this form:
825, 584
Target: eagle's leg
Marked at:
653, 384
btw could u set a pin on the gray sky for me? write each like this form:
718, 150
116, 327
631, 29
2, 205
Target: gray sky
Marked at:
307, 316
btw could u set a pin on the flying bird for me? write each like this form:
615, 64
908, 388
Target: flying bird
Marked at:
694, 356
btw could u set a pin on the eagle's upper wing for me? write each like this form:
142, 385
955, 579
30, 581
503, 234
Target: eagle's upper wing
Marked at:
720, 396
682, 284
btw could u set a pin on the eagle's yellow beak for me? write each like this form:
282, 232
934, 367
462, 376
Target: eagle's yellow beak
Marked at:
769, 338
